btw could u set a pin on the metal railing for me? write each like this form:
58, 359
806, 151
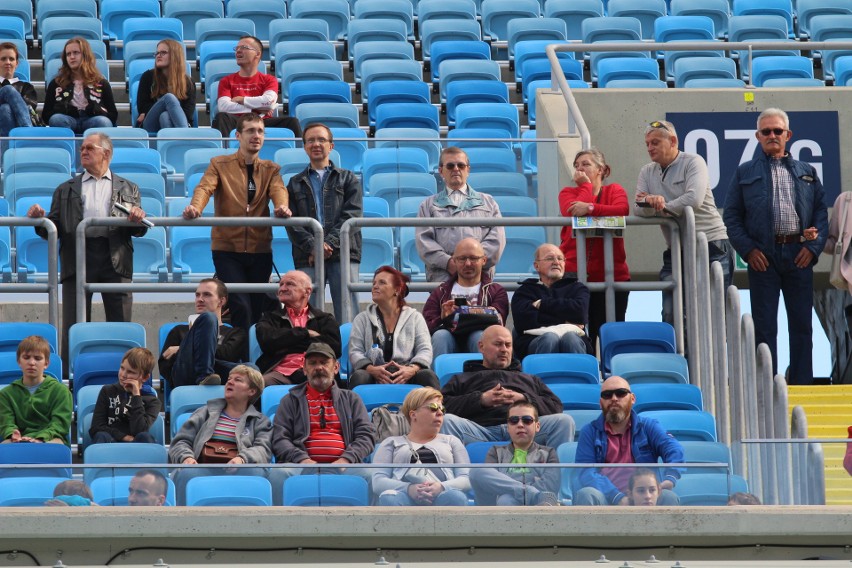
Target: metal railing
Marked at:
51, 287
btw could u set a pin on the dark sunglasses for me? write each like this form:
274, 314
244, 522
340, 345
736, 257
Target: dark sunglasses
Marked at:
775, 131
455, 165
527, 420
617, 393
658, 124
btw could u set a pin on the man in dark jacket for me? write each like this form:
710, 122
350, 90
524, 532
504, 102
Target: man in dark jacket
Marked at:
109, 252
548, 301
620, 435
285, 334
479, 399
331, 195
205, 351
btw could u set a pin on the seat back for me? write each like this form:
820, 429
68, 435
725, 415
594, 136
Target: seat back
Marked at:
639, 368
450, 364
11, 334
666, 397
717, 10
326, 491
477, 451
187, 399
686, 424
577, 396
646, 11
31, 453
378, 395
271, 398
29, 491
336, 13
634, 337
563, 368
496, 15
229, 491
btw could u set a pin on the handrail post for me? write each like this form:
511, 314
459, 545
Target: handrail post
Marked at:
721, 399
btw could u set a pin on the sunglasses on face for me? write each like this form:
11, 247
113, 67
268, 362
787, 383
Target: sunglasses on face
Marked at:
617, 393
434, 407
527, 420
455, 165
775, 131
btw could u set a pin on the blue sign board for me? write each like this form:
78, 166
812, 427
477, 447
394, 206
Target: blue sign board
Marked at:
727, 139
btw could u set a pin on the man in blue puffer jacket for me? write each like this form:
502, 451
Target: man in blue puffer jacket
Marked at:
620, 435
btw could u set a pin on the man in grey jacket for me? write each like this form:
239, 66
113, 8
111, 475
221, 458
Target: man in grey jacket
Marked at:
518, 485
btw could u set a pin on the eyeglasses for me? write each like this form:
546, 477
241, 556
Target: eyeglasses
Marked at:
455, 165
660, 125
466, 259
775, 131
312, 141
158, 53
435, 407
323, 423
617, 393
527, 420
245, 48
551, 258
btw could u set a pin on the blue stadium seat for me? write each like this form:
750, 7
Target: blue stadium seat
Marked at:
376, 395
410, 261
11, 334
478, 451
670, 58
780, 66
336, 13
333, 115
831, 28
496, 15
427, 139
646, 11
608, 28
96, 368
686, 424
577, 396
307, 70
254, 347
567, 453
186, 399
581, 418
627, 68
114, 491
103, 337
688, 69
781, 8
715, 84
374, 70
350, 144
31, 453
229, 491
666, 397
23, 10
639, 368
392, 186
271, 397
552, 30
757, 26
706, 452
447, 30
397, 91
30, 249
793, 82
12, 28
45, 9
479, 138
31, 184
474, 91
407, 115
149, 256
6, 269
140, 160
491, 160
503, 184
429, 10
679, 28
401, 10
450, 364
446, 50
188, 12
717, 10
595, 58
326, 491
377, 249
708, 489
115, 12
190, 249
843, 71
136, 29
282, 249
174, 143
529, 50
573, 13
374, 29
301, 49
489, 115
42, 137
261, 12
634, 337
220, 29
136, 456
123, 137
807, 10
538, 69
392, 160
345, 333
29, 491
10, 372
294, 29
562, 367
382, 50
151, 186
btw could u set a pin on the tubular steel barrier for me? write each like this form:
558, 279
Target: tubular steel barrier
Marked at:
51, 287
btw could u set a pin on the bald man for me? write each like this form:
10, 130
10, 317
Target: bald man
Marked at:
285, 334
619, 435
548, 301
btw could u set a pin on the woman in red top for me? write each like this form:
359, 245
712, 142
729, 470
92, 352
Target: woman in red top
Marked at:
592, 198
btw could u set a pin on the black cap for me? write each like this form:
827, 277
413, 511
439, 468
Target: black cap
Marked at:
322, 349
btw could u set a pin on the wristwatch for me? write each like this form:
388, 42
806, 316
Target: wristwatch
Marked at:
591, 207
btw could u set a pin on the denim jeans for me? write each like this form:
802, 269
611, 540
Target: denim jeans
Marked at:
332, 277
81, 124
493, 487
556, 429
165, 113
784, 277
13, 110
196, 357
106, 438
446, 498
244, 267
443, 341
720, 251
552, 343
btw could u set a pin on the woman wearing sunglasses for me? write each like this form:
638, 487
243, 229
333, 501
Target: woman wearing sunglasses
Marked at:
406, 481
166, 95
592, 198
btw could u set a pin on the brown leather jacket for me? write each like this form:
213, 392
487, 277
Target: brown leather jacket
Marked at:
226, 182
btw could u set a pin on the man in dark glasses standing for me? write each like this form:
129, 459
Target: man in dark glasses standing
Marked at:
672, 181
619, 435
435, 245
773, 207
518, 484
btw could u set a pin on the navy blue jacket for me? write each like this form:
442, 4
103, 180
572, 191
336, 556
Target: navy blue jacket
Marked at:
566, 301
748, 206
649, 442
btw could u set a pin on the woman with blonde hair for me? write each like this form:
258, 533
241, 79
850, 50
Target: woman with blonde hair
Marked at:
79, 97
166, 95
406, 482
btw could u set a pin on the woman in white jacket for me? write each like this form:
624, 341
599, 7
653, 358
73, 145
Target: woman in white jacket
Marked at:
390, 341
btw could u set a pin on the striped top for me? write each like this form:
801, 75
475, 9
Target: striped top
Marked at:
325, 441
225, 429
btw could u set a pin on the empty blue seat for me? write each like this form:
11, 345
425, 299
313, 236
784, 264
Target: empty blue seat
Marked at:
447, 50
310, 70
690, 68
427, 139
382, 50
401, 10
843, 71
375, 70
407, 115
686, 424
782, 8
679, 28
136, 29
149, 255
45, 9
478, 451
294, 29
140, 160
608, 28
521, 243
376, 208
781, 67
190, 249
326, 491
392, 160
806, 10
428, 10
577, 396
6, 269
32, 453
186, 399
627, 68
450, 364
31, 184
350, 144
706, 452
670, 58
174, 143
447, 30
474, 91
715, 84
29, 491
30, 249
634, 337
709, 489
396, 91
552, 30
717, 10
567, 453
489, 115
229, 491
573, 13
66, 27
582, 416
115, 12
336, 13
757, 26
377, 248
666, 397
11, 334
496, 15
491, 160
375, 29
391, 186
638, 368
271, 397
535, 49
96, 368
220, 29
375, 396
501, 184
636, 84
261, 12
595, 58
299, 49
562, 367
333, 115
188, 12
410, 261
646, 11
540, 70
23, 10
103, 337
42, 137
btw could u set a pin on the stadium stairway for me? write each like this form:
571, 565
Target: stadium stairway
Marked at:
828, 409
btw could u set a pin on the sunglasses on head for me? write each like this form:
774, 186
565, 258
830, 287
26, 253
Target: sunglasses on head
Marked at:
617, 393
775, 131
527, 420
455, 165
660, 125
434, 407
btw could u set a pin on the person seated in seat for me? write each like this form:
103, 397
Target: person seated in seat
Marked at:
518, 484
148, 488
390, 342
125, 411
166, 95
35, 408
18, 99
71, 493
226, 430
643, 489
405, 484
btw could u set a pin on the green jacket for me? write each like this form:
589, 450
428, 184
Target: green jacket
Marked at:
45, 414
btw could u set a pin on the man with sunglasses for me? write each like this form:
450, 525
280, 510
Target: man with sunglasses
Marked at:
619, 435
516, 484
249, 90
775, 201
457, 200
478, 400
672, 181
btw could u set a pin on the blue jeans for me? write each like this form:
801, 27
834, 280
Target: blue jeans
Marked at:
591, 497
446, 498
165, 113
443, 341
552, 343
556, 429
493, 487
784, 277
106, 438
196, 357
332, 277
81, 124
13, 110
244, 267
720, 251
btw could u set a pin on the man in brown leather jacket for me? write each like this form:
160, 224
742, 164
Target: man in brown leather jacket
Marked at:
242, 185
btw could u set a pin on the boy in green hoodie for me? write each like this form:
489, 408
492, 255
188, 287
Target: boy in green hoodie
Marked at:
35, 408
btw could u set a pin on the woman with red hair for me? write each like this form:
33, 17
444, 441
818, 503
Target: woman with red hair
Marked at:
390, 342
